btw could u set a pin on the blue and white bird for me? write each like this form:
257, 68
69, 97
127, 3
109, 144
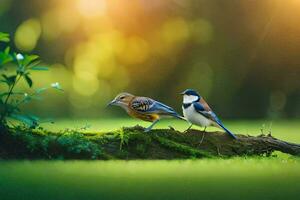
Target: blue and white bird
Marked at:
197, 112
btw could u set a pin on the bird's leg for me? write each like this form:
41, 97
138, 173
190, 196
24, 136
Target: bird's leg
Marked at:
151, 126
203, 134
188, 128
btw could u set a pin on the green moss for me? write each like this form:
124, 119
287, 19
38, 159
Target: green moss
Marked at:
189, 151
42, 144
126, 143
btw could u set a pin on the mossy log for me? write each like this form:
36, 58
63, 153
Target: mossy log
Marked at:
134, 143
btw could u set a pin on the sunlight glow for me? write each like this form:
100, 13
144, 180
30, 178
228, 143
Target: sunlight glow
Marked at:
175, 31
27, 34
86, 86
91, 8
136, 51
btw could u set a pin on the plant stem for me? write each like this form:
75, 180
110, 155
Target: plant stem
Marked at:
8, 95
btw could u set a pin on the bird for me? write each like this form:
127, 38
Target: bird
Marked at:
197, 112
144, 108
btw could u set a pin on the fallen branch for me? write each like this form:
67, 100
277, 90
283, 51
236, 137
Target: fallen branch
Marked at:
133, 143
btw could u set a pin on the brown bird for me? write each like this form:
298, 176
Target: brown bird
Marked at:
144, 108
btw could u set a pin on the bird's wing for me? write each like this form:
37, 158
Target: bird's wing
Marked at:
212, 116
147, 105
204, 104
142, 104
202, 109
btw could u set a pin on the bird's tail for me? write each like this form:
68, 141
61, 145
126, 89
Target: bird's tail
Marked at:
176, 115
226, 130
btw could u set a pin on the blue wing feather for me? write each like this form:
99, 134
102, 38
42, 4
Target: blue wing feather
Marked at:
212, 116
198, 106
147, 105
160, 108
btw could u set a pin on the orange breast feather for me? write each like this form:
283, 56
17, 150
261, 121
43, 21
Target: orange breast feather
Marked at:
143, 116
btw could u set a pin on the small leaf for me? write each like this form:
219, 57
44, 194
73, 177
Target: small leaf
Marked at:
6, 51
28, 80
29, 59
2, 81
39, 68
12, 78
5, 58
4, 37
34, 63
12, 93
41, 90
9, 79
31, 121
33, 117
32, 57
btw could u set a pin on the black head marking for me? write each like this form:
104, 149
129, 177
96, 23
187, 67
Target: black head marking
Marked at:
191, 92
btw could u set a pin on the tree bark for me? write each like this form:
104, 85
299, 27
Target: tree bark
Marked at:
134, 143
211, 144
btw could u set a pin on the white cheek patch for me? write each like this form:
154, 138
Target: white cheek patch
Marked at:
189, 98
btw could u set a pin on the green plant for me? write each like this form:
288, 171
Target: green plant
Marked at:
14, 67
124, 138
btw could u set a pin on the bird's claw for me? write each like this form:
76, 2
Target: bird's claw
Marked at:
187, 130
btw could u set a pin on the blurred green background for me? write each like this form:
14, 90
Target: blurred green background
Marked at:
234, 179
243, 56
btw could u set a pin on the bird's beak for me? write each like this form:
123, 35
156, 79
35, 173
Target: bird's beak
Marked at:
113, 102
182, 93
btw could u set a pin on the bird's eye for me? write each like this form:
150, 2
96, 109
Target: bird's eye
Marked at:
122, 97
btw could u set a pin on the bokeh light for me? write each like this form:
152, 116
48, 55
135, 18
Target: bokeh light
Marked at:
136, 51
158, 48
91, 8
28, 34
202, 31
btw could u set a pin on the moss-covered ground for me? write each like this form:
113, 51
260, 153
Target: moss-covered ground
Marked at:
274, 177
127, 143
